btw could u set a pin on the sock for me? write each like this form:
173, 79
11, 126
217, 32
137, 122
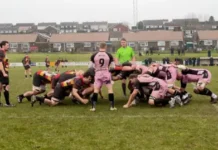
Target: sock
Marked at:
124, 88
45, 96
165, 102
206, 91
28, 98
111, 99
6, 94
25, 76
21, 96
30, 76
94, 100
40, 99
214, 95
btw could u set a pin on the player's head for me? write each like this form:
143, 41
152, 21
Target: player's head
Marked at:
4, 45
177, 61
103, 46
123, 42
133, 78
87, 77
79, 72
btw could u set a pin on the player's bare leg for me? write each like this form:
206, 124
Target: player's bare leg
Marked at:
30, 73
202, 90
28, 95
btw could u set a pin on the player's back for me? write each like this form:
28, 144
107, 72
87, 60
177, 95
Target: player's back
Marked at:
102, 61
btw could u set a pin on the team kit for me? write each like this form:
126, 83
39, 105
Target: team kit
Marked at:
153, 84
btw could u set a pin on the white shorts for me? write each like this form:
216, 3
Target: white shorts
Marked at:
41, 88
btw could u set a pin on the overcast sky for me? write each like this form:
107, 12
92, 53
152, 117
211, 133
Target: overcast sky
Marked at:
13, 11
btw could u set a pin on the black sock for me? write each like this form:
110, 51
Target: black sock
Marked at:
25, 76
28, 98
21, 96
111, 99
45, 96
6, 94
124, 88
206, 91
94, 99
30, 76
40, 99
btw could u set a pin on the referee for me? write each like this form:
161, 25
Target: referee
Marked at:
124, 54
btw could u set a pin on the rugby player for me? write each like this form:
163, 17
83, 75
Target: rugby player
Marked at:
101, 62
65, 88
27, 63
40, 79
4, 71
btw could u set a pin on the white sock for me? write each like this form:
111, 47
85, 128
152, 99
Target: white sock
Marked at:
214, 95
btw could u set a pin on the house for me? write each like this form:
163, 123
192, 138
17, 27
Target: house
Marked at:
160, 40
95, 26
26, 28
25, 42
185, 22
69, 27
78, 41
118, 27
208, 39
115, 36
8, 28
49, 30
43, 25
154, 24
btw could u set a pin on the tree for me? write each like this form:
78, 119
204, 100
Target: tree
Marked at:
140, 25
211, 19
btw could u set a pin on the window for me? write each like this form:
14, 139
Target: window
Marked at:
147, 27
208, 42
1, 31
56, 45
161, 43
87, 44
114, 39
115, 29
6, 31
75, 31
171, 28
70, 26
131, 44
66, 31
214, 27
160, 26
74, 26
14, 31
62, 31
66, 26
25, 45
143, 44
62, 27
69, 45
13, 45
174, 43
9, 31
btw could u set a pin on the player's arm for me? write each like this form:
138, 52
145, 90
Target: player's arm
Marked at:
77, 96
131, 98
111, 62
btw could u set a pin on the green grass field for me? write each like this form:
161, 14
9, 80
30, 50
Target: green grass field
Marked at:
72, 127
40, 57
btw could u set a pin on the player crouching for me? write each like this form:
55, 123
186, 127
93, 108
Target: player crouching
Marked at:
40, 79
142, 82
69, 87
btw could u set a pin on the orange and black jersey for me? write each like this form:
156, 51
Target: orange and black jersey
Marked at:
67, 75
54, 80
4, 61
41, 78
26, 61
76, 82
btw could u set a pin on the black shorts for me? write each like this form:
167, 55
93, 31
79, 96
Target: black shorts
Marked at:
47, 66
27, 67
37, 81
61, 92
4, 80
